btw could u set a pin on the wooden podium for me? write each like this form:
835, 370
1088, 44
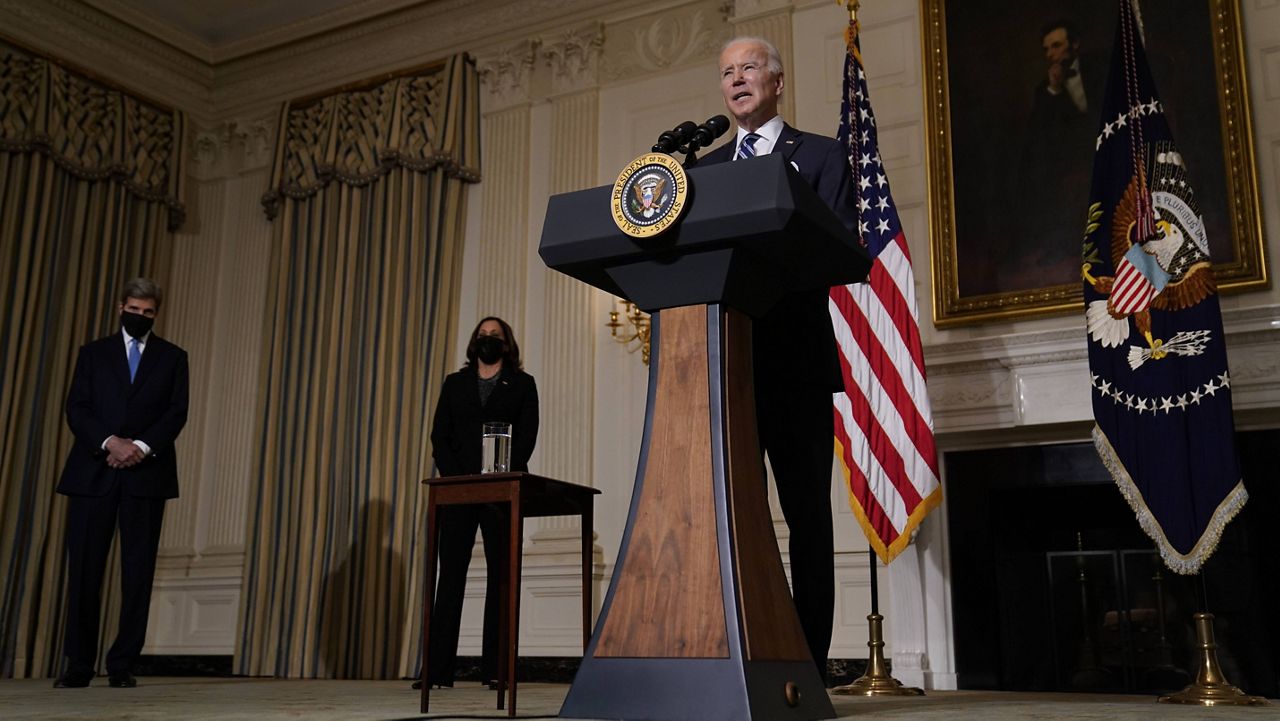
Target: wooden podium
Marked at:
698, 623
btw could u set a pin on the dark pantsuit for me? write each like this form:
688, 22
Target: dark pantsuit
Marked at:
796, 431
91, 524
455, 443
457, 539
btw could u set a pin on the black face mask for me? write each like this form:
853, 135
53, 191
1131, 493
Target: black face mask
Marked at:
489, 348
136, 324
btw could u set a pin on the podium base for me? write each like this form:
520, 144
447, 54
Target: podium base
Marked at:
697, 690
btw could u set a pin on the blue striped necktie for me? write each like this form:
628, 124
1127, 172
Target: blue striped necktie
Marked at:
748, 147
135, 357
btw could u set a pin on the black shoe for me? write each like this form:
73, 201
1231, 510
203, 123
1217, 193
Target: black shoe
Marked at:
122, 679
74, 678
417, 685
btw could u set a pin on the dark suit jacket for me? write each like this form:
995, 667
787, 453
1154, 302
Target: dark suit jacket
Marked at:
794, 343
102, 403
455, 431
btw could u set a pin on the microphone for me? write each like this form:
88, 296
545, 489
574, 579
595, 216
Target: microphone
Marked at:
674, 138
707, 133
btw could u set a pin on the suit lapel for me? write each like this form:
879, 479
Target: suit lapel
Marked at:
118, 359
471, 396
788, 142
719, 155
150, 359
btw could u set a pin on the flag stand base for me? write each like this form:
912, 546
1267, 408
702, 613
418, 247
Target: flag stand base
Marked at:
1211, 688
876, 681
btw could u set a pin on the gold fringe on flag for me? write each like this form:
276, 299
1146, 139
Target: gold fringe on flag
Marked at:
1189, 563
887, 552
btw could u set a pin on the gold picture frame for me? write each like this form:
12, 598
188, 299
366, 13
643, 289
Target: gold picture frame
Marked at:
988, 190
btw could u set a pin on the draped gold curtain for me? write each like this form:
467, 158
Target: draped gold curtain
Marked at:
90, 188
368, 196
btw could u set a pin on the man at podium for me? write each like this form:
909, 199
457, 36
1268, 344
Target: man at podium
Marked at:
794, 348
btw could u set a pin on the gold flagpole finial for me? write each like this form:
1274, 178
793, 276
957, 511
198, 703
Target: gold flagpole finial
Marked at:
853, 8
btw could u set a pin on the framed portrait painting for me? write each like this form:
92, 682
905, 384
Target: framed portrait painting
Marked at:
1014, 93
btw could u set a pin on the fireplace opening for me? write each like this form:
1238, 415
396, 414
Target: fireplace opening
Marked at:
1056, 588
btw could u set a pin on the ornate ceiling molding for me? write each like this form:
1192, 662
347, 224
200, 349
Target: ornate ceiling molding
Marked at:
296, 64
660, 41
574, 57
317, 23
505, 74
430, 31
86, 37
232, 147
749, 9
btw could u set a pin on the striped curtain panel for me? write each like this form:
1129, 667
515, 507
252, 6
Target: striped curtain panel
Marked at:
368, 195
90, 182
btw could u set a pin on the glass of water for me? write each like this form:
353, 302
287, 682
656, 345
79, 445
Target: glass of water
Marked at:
495, 447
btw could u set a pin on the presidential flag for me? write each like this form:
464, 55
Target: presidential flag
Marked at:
883, 425
1158, 364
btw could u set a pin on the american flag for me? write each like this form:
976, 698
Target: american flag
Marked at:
883, 425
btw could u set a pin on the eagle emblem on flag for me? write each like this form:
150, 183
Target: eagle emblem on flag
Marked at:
1169, 270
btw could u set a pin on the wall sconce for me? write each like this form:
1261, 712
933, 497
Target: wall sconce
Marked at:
634, 326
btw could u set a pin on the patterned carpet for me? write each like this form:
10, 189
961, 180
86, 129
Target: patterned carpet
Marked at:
271, 700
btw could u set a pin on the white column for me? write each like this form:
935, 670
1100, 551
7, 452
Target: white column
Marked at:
904, 620
568, 323
771, 20
501, 278
218, 298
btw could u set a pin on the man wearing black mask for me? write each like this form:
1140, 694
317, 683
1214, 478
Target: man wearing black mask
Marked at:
126, 407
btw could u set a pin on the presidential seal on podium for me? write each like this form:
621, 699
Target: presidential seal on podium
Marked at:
650, 195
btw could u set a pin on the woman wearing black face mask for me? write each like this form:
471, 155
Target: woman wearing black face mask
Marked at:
490, 387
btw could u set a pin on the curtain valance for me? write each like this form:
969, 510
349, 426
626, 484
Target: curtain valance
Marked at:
92, 130
421, 121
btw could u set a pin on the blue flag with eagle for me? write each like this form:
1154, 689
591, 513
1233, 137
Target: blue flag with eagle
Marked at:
1158, 363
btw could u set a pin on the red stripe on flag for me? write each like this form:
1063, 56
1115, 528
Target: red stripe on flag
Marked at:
906, 342
920, 435
882, 282
1132, 292
888, 458
858, 487
886, 376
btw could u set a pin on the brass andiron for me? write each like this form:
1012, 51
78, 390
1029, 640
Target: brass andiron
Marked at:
1211, 688
1088, 674
876, 681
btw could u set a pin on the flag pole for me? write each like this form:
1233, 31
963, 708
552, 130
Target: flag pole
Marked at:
876, 681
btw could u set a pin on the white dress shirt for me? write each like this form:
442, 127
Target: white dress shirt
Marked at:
769, 134
142, 348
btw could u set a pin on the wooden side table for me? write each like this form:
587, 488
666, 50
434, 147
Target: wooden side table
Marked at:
524, 495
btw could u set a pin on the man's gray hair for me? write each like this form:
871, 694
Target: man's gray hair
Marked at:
142, 288
775, 57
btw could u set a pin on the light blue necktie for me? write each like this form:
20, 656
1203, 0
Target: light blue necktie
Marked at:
135, 357
748, 147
